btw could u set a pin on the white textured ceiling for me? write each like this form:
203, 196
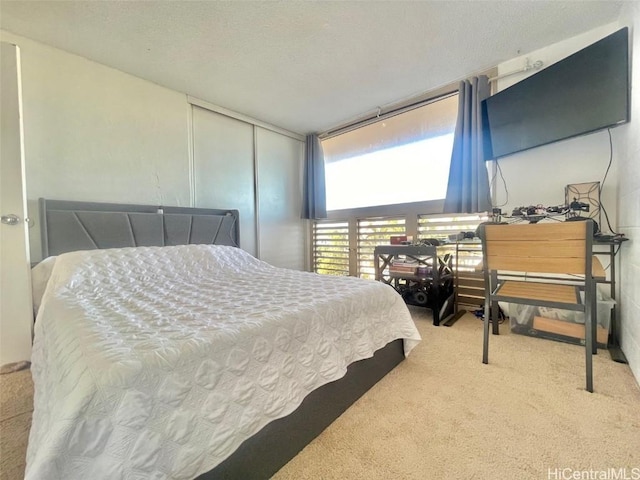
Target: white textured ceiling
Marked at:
305, 66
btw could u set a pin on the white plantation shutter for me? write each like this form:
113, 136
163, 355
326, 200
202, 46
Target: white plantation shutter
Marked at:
331, 247
333, 255
469, 280
441, 226
371, 233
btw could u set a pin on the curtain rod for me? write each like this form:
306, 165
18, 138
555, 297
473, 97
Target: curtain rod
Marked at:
537, 65
382, 116
401, 106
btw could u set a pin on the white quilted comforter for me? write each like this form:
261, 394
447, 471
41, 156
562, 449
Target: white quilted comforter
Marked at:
158, 362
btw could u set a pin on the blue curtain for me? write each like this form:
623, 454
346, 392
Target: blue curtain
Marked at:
468, 187
314, 204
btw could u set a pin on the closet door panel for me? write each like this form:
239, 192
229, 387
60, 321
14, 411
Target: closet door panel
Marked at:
282, 231
224, 169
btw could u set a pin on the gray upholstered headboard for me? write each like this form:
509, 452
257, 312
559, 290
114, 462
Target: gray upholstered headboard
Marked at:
67, 226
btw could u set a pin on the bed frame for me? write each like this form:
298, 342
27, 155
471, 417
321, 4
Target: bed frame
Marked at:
69, 226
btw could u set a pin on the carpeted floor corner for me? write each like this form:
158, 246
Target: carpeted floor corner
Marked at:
442, 414
16, 406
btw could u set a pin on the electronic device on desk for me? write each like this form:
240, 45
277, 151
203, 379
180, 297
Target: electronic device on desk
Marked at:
535, 213
584, 199
541, 210
576, 206
573, 215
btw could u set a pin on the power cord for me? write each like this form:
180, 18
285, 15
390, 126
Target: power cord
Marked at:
604, 210
493, 179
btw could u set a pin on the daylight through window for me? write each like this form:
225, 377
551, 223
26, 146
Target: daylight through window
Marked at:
401, 159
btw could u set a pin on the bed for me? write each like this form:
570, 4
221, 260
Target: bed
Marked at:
162, 350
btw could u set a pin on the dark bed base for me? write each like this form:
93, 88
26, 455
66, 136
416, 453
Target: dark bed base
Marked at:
266, 452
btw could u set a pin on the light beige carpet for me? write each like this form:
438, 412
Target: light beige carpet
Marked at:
16, 405
441, 414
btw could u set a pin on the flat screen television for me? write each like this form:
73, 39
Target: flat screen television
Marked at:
582, 93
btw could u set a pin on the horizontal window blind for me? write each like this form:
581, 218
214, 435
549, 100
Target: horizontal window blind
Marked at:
441, 226
468, 253
371, 233
331, 248
331, 243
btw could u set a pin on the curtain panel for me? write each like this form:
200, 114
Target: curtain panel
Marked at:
468, 186
314, 205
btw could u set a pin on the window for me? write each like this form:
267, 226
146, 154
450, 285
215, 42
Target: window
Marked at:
400, 159
387, 177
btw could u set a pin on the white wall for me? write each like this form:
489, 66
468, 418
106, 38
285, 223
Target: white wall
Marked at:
627, 138
93, 133
96, 134
539, 175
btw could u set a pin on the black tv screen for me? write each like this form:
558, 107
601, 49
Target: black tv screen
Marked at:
582, 93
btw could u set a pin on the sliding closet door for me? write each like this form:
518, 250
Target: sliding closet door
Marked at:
224, 169
282, 233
